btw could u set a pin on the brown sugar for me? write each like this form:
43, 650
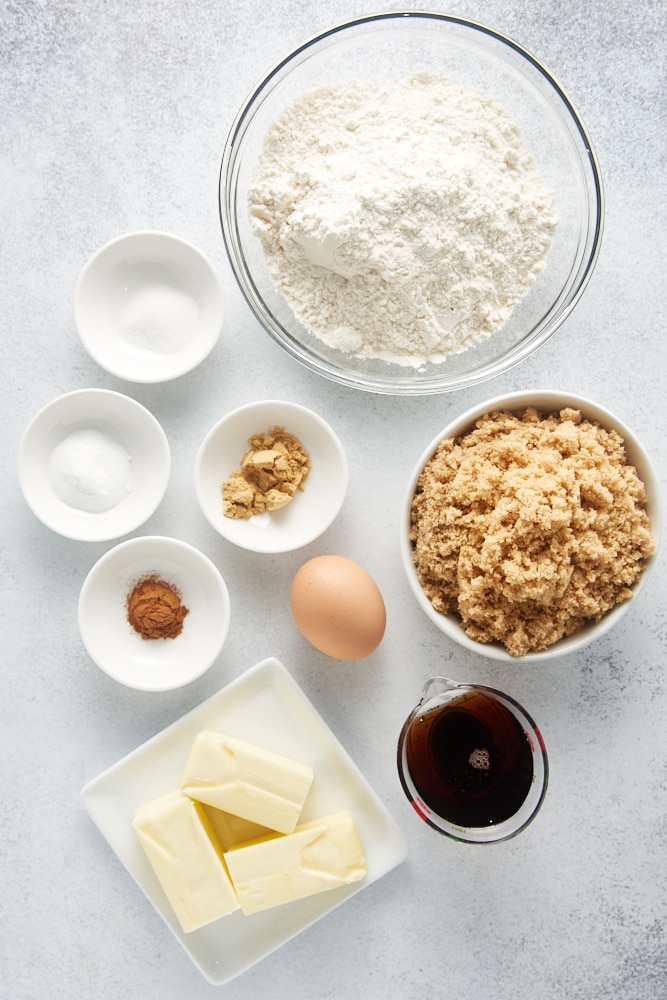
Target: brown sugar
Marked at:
529, 526
275, 466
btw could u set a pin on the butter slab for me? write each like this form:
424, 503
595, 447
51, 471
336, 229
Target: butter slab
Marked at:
320, 855
247, 781
181, 846
231, 830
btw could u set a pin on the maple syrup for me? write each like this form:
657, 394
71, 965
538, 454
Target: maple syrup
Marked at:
470, 760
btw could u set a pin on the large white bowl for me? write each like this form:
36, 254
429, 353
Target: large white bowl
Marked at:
122, 419
148, 307
153, 664
548, 401
390, 45
309, 513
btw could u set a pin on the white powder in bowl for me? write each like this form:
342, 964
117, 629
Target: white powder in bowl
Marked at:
401, 219
160, 319
89, 471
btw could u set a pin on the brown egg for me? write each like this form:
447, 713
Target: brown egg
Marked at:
338, 607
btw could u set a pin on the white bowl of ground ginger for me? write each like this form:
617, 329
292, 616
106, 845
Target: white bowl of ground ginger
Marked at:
529, 524
271, 476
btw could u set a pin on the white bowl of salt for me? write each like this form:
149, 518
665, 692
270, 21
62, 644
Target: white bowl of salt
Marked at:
148, 307
93, 464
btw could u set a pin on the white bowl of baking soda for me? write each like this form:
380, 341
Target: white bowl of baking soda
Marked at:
93, 464
148, 307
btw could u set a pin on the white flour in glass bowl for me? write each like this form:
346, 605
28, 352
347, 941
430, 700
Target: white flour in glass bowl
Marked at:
402, 219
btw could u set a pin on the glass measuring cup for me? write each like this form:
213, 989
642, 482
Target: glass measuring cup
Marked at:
472, 762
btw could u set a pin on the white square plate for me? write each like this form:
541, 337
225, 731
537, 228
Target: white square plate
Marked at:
264, 706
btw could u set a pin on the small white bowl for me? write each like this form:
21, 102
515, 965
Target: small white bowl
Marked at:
148, 307
309, 513
124, 421
153, 664
547, 402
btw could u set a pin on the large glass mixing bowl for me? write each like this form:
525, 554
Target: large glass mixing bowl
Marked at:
391, 45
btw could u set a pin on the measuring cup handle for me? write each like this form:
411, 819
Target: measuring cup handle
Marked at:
435, 686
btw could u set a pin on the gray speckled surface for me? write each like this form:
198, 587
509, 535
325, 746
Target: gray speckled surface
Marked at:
114, 117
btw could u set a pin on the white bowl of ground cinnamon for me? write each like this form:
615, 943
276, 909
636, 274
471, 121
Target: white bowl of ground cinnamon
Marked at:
529, 525
154, 613
271, 476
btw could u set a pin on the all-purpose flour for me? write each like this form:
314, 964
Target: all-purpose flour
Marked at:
401, 219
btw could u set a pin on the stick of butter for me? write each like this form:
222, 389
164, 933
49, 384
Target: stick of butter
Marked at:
319, 855
246, 780
180, 844
231, 830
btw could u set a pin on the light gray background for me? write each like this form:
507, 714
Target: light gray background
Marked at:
114, 117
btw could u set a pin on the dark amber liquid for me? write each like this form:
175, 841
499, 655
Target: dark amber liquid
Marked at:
470, 760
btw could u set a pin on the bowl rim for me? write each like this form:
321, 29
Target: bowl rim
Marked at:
287, 405
161, 453
173, 546
520, 399
542, 331
205, 344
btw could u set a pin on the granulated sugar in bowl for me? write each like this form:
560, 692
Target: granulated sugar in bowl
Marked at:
148, 307
410, 203
93, 464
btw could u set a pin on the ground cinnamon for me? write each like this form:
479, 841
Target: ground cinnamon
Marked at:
154, 608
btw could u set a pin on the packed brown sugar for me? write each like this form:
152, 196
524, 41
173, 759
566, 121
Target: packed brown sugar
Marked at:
529, 526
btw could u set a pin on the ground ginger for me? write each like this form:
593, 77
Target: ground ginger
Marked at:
275, 466
529, 526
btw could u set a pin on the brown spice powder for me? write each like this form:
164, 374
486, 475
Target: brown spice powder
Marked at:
272, 470
154, 609
529, 526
